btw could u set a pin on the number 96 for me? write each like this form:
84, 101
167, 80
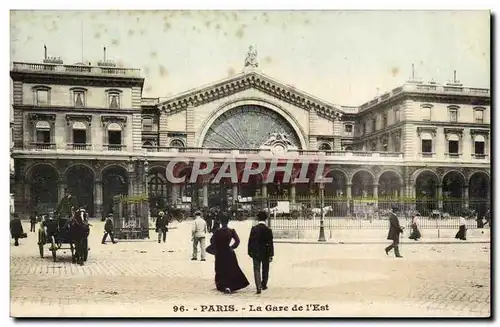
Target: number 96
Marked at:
179, 308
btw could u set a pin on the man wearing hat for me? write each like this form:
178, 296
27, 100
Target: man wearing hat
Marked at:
162, 226
108, 229
198, 233
261, 250
394, 230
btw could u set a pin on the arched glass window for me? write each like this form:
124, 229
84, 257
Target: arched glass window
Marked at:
325, 147
177, 144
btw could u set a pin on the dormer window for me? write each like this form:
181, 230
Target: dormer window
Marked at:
78, 97
41, 95
113, 99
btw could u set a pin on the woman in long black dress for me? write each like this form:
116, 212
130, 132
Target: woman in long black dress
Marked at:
228, 275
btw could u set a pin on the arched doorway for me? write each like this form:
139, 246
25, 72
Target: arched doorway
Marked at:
336, 192
479, 193
80, 182
158, 189
389, 189
453, 185
220, 192
43, 181
362, 184
426, 192
114, 182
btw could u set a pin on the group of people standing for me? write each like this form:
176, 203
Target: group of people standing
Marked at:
224, 241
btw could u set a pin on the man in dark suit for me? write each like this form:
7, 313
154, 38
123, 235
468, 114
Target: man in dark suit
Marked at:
394, 230
261, 250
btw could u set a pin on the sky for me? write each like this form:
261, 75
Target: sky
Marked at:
343, 57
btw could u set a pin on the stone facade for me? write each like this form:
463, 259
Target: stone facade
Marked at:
88, 129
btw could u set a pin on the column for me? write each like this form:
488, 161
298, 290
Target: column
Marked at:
337, 134
264, 191
98, 200
292, 193
174, 194
465, 194
375, 194
62, 187
402, 197
235, 193
131, 177
205, 195
349, 196
440, 196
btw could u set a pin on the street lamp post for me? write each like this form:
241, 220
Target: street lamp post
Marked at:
322, 222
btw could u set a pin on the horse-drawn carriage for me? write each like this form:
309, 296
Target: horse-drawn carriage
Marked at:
63, 231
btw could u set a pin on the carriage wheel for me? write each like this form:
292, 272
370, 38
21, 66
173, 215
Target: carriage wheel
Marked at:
41, 243
53, 248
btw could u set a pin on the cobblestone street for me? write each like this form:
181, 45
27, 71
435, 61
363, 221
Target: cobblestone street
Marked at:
144, 278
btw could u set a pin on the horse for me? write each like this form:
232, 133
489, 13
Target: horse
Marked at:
317, 211
79, 230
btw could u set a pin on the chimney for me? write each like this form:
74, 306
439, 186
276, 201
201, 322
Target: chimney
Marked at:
45, 52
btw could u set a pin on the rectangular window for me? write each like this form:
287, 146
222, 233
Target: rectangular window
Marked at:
79, 99
384, 121
453, 147
43, 136
479, 116
42, 97
426, 146
79, 136
396, 116
114, 100
115, 137
348, 128
426, 113
147, 124
479, 148
453, 115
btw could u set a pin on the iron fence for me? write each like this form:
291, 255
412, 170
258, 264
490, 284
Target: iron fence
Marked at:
304, 213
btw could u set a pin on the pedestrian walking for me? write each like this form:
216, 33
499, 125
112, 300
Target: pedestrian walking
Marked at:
16, 229
162, 226
108, 230
261, 250
228, 275
462, 230
415, 232
394, 230
198, 234
33, 219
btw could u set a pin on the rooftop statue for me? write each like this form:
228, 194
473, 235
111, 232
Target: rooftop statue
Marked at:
251, 58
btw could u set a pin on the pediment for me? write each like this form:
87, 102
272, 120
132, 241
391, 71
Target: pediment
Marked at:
244, 81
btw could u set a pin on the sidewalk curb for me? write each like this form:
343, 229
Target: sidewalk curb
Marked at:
379, 242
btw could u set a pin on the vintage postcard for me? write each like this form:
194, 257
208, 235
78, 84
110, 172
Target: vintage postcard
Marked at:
205, 164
